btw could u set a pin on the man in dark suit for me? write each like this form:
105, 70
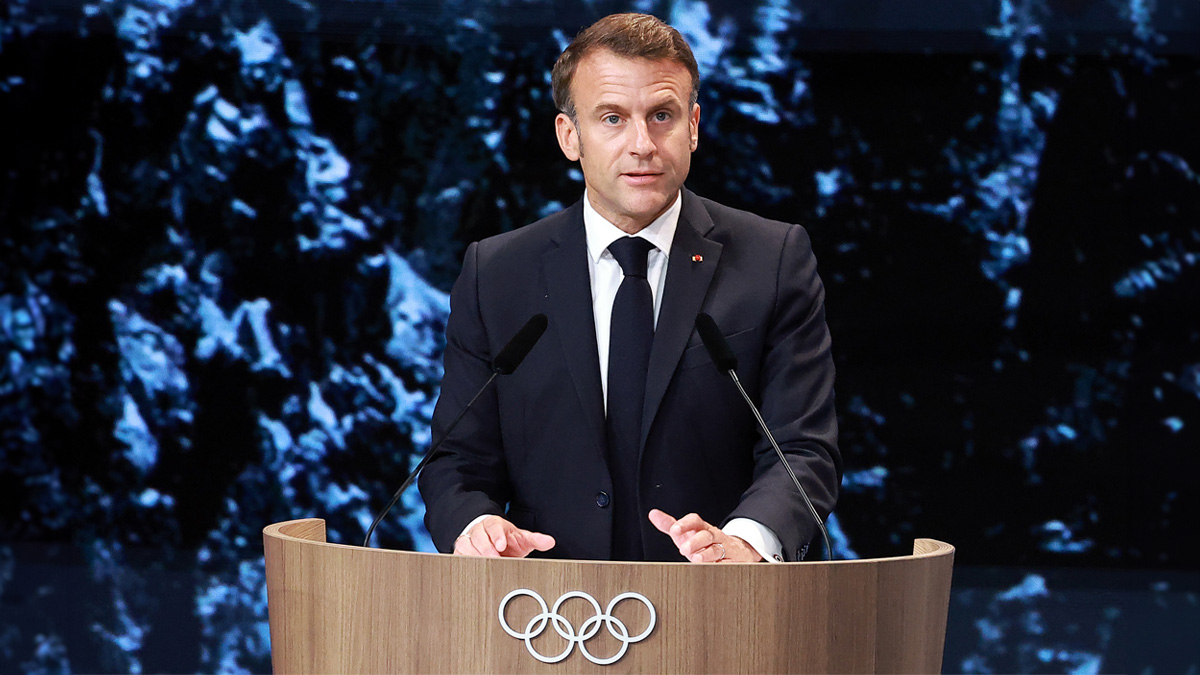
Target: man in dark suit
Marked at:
618, 419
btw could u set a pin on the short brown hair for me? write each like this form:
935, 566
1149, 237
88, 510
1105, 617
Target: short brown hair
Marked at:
633, 36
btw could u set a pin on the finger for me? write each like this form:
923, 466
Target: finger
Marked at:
463, 546
483, 542
661, 521
497, 532
697, 542
710, 554
687, 523
518, 544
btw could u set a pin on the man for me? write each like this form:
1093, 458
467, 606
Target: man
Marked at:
618, 421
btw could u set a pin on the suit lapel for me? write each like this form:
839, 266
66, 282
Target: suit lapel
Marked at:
683, 295
570, 291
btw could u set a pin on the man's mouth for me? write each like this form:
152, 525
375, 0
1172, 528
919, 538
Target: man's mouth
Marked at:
638, 177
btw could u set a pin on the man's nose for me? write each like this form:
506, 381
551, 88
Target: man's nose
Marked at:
643, 143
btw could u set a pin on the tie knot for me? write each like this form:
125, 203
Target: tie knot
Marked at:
631, 253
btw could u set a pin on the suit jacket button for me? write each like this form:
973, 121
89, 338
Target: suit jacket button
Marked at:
602, 499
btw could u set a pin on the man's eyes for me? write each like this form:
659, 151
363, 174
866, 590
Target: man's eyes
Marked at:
613, 119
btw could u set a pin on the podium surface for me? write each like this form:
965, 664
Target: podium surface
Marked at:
347, 609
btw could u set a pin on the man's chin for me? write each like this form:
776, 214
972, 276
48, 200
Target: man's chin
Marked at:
645, 216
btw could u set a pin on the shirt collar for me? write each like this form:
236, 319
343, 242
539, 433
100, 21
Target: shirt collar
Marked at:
601, 233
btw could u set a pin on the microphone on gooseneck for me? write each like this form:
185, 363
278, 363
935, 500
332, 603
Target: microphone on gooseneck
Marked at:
519, 346
722, 356
510, 356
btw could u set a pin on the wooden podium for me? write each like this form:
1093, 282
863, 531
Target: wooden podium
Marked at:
347, 609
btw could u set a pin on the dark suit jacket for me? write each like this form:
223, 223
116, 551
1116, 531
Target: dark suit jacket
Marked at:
533, 446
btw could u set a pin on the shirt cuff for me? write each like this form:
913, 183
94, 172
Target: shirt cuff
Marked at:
759, 536
474, 522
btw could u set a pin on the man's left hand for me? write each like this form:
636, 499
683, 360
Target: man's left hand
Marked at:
700, 542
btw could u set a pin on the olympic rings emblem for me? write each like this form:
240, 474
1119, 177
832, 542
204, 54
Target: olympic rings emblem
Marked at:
586, 632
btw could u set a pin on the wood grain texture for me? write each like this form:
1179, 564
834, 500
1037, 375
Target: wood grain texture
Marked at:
346, 609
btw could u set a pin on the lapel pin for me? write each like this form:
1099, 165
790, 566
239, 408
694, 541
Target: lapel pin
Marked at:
697, 258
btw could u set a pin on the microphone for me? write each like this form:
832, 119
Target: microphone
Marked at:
723, 358
510, 356
519, 346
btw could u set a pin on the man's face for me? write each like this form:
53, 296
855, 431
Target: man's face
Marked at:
635, 135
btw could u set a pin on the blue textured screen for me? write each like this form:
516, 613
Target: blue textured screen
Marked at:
228, 230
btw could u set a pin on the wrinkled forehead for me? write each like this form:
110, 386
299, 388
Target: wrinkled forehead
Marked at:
603, 74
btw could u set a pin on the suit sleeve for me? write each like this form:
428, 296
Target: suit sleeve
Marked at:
796, 396
468, 477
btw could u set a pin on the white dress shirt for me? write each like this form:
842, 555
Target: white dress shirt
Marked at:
606, 276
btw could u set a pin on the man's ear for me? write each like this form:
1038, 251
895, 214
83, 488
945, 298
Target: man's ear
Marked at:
568, 136
694, 126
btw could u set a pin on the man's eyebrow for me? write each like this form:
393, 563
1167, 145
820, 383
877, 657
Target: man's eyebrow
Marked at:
607, 106
668, 101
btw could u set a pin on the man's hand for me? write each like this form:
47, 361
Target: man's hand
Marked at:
495, 537
700, 542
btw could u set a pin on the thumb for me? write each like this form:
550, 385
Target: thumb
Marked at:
539, 541
525, 541
661, 521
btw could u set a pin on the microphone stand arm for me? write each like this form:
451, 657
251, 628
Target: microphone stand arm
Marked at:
425, 460
763, 425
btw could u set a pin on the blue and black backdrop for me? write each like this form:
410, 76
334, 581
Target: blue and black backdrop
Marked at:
228, 229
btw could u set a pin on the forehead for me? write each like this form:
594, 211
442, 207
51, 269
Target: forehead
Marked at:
601, 75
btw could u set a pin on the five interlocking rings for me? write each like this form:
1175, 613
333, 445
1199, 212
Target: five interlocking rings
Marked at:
586, 632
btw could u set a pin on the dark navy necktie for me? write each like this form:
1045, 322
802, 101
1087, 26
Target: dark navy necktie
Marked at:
630, 335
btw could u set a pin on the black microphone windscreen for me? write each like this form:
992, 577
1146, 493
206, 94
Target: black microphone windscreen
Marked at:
518, 347
718, 348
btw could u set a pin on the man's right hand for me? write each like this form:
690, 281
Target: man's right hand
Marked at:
495, 537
